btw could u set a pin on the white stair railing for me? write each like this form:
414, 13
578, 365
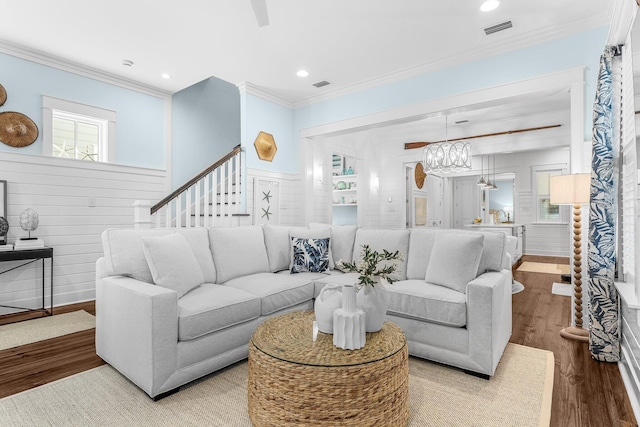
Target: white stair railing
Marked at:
212, 198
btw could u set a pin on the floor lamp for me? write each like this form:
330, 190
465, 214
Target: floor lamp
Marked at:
573, 190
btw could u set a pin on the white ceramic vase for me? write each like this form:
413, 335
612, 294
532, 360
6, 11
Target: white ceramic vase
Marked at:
373, 301
329, 299
349, 322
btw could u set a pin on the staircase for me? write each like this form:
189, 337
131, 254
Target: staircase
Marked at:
211, 198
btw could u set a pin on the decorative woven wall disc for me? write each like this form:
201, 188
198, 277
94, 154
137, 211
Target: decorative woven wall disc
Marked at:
3, 95
419, 175
17, 130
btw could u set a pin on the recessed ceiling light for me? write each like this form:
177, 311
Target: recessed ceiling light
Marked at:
166, 75
489, 5
302, 73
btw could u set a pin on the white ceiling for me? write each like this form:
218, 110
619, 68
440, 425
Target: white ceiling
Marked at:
348, 43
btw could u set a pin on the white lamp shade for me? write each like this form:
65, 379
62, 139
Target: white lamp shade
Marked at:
570, 189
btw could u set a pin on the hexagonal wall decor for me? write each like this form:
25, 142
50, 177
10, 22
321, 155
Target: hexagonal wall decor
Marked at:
265, 146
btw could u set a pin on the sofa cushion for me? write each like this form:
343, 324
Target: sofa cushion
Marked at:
238, 251
391, 240
198, 238
420, 245
310, 255
428, 302
277, 291
342, 238
493, 250
123, 254
277, 242
454, 259
172, 263
210, 308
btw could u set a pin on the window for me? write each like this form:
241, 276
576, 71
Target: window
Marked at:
545, 211
78, 131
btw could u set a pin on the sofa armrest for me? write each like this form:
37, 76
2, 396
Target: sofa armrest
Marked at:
489, 316
137, 330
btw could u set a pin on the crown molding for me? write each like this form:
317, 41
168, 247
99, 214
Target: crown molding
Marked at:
252, 89
508, 44
43, 58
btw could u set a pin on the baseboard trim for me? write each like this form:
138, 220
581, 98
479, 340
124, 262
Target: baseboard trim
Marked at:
631, 382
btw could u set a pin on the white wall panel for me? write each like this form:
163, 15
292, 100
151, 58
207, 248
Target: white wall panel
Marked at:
76, 201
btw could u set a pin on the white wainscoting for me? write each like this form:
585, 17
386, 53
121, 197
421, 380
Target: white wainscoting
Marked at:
630, 348
76, 201
291, 196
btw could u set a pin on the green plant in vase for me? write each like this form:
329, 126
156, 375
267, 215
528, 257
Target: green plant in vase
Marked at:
370, 268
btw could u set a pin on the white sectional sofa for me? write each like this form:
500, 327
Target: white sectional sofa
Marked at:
173, 305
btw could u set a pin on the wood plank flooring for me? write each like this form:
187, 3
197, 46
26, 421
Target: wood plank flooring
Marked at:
586, 393
32, 365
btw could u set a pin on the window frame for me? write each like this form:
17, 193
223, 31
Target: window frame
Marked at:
564, 214
79, 112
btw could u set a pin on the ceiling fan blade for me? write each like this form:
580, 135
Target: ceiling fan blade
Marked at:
260, 10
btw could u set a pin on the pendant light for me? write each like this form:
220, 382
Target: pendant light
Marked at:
481, 182
447, 157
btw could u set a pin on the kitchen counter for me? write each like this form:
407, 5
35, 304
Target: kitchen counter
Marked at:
510, 229
500, 225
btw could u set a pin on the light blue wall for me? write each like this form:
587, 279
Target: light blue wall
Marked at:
580, 49
140, 120
205, 127
258, 115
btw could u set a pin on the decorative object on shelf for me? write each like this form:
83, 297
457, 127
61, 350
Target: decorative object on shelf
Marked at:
477, 220
376, 270
350, 171
29, 221
447, 157
4, 229
419, 175
573, 190
265, 146
3, 95
341, 185
17, 130
3, 212
508, 210
349, 323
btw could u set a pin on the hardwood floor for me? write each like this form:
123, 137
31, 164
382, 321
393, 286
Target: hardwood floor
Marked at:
32, 365
586, 393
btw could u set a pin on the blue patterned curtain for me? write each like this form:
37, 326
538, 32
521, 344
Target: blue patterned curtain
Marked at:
604, 308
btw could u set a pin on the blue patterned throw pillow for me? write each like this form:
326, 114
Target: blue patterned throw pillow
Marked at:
310, 255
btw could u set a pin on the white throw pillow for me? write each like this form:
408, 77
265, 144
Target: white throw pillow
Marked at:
172, 263
342, 238
278, 244
238, 251
454, 260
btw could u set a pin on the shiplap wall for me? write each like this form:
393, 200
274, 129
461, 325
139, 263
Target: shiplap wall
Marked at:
63, 191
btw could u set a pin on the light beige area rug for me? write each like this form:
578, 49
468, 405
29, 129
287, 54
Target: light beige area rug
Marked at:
43, 328
518, 395
543, 267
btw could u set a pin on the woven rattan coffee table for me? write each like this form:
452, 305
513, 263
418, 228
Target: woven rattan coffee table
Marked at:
294, 381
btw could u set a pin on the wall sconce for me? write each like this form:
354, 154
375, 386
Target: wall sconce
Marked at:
317, 173
374, 183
